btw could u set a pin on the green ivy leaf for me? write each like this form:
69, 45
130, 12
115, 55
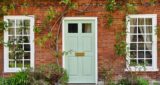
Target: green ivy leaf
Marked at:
4, 9
65, 1
50, 13
37, 30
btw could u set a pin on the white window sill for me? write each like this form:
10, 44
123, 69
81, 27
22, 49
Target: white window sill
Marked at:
140, 69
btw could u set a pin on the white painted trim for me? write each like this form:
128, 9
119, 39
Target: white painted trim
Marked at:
96, 40
154, 46
32, 61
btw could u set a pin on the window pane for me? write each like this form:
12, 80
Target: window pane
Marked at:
141, 46
19, 63
19, 39
11, 55
27, 47
133, 54
19, 23
73, 28
140, 38
26, 23
148, 54
19, 55
26, 31
141, 30
19, 47
133, 38
140, 54
86, 28
148, 29
27, 55
19, 31
11, 23
11, 31
11, 64
133, 29
27, 64
11, 38
141, 61
26, 39
148, 62
140, 21
133, 21
148, 46
133, 62
133, 46
148, 21
148, 38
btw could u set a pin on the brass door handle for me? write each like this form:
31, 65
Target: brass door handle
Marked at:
79, 54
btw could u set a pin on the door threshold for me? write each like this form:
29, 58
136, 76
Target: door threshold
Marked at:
81, 84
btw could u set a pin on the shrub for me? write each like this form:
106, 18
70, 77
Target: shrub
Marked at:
135, 81
124, 82
20, 78
142, 81
49, 75
44, 75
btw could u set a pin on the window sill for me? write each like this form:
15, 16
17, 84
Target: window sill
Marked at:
147, 69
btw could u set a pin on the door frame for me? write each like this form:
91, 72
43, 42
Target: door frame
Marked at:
96, 41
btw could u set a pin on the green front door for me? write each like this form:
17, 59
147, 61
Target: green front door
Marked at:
79, 38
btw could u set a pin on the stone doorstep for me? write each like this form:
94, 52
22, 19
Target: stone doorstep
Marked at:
81, 84
99, 83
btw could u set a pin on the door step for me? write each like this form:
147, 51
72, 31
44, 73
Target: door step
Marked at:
83, 84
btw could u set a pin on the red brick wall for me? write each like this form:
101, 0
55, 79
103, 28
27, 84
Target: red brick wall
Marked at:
106, 36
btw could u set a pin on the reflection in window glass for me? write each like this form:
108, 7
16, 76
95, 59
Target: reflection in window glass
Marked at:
73, 28
141, 38
86, 28
11, 64
140, 21
27, 55
140, 54
19, 23
141, 46
133, 54
133, 46
26, 47
26, 23
27, 64
148, 21
133, 38
133, 30
11, 23
133, 21
148, 29
148, 38
148, 54
11, 31
141, 30
19, 63
133, 62
149, 62
19, 31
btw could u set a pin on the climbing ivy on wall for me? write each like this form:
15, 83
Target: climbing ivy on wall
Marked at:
47, 24
53, 18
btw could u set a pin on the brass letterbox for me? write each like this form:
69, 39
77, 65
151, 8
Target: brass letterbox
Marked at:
79, 54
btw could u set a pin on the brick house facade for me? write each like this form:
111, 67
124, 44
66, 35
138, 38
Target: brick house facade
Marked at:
106, 35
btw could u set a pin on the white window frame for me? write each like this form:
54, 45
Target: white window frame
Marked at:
154, 45
6, 50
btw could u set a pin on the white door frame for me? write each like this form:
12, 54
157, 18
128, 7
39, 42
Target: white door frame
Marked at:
96, 42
